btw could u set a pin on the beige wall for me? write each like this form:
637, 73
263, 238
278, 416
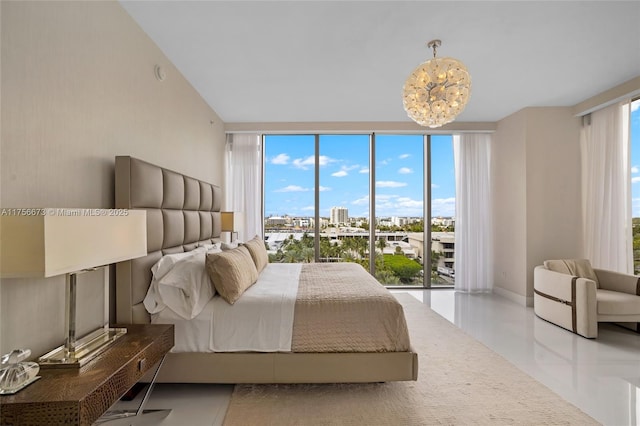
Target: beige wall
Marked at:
78, 88
537, 202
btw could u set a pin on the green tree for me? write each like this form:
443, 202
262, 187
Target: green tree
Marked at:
405, 269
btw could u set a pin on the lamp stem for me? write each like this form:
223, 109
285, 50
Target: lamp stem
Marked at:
70, 316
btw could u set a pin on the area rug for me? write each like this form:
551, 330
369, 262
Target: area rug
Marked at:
460, 382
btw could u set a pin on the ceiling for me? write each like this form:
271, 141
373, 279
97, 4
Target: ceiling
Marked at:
330, 61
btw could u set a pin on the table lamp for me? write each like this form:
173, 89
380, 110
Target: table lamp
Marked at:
54, 241
231, 222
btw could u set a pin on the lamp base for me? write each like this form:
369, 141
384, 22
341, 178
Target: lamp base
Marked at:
86, 349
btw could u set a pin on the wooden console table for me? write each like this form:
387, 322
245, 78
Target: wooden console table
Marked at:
79, 396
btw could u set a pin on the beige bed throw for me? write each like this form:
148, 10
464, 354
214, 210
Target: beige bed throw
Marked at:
342, 308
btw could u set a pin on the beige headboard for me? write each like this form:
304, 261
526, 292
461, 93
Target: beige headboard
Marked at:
182, 212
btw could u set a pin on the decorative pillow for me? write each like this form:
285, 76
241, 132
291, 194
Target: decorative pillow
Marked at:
577, 267
258, 252
232, 272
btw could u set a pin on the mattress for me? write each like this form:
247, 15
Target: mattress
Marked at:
339, 307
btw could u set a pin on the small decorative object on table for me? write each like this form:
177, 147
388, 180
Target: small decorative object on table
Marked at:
16, 374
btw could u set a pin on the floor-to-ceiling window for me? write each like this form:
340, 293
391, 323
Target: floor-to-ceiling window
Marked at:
399, 207
343, 202
322, 185
635, 180
289, 197
443, 210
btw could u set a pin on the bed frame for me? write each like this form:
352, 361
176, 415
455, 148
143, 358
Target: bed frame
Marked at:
183, 212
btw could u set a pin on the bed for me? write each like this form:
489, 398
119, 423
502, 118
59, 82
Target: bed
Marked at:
183, 215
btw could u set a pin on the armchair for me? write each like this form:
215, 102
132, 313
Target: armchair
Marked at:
573, 295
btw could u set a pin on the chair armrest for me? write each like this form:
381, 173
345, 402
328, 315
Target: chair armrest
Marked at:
566, 300
616, 281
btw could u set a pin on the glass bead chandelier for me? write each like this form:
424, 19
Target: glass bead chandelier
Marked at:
437, 91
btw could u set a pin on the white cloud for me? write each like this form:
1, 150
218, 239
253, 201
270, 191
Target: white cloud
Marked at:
635, 179
406, 202
341, 173
635, 169
280, 159
364, 170
435, 185
443, 207
324, 188
304, 163
635, 105
292, 188
324, 160
403, 156
361, 201
389, 184
310, 162
405, 170
308, 208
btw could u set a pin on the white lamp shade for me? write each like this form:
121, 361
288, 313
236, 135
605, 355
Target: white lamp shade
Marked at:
69, 240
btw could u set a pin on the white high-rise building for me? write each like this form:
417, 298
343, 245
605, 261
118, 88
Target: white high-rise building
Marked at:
339, 215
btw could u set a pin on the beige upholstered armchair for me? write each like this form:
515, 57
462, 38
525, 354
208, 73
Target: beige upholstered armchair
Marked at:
573, 295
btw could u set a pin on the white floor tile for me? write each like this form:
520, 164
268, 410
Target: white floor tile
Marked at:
601, 376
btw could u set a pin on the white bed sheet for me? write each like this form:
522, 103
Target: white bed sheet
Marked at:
261, 320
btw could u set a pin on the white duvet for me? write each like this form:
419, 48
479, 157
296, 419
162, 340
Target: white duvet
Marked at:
261, 320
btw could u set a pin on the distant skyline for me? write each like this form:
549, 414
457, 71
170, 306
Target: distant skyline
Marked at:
344, 175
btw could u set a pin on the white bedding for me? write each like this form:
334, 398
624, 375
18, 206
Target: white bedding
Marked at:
261, 320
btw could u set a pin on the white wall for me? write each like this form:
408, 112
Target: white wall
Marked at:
537, 201
78, 88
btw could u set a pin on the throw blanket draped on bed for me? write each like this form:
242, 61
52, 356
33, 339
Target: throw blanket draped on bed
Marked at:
341, 308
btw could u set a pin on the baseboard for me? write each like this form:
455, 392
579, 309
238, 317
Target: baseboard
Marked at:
518, 298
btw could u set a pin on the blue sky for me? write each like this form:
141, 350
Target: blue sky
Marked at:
344, 175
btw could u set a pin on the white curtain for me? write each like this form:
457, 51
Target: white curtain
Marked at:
606, 196
243, 185
473, 253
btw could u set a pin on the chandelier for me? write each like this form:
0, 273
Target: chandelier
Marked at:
437, 91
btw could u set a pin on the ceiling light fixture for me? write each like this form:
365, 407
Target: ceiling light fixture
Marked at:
437, 91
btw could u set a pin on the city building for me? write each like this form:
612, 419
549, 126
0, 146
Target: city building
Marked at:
339, 216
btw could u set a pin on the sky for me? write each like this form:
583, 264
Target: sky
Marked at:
344, 175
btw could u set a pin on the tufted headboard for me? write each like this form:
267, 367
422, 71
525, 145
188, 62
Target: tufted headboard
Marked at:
182, 212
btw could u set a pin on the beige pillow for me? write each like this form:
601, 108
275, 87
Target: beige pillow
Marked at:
232, 272
577, 267
258, 252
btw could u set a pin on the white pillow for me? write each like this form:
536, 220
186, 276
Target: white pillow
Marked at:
168, 261
181, 283
229, 246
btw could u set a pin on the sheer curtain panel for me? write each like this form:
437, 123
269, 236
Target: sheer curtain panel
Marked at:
606, 191
243, 183
473, 249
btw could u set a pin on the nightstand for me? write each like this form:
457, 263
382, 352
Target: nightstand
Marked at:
79, 396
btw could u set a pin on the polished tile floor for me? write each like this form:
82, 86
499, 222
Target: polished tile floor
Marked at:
601, 377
